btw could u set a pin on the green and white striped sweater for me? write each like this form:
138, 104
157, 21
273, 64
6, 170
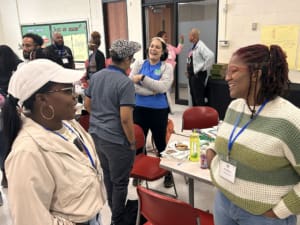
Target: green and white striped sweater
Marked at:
268, 158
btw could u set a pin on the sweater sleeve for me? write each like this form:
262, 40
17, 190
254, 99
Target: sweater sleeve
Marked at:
178, 49
164, 83
136, 67
139, 89
289, 204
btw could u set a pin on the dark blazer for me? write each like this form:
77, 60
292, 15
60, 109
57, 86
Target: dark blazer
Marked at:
66, 60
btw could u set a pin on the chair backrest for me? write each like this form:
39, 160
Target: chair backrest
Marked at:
162, 210
84, 121
199, 117
139, 137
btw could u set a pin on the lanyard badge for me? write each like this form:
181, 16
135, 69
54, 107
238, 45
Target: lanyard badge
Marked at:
228, 166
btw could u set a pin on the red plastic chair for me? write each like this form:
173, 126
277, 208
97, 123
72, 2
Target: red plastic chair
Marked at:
163, 210
199, 117
147, 167
139, 137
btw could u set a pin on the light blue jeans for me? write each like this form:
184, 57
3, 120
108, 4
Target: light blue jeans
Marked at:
226, 213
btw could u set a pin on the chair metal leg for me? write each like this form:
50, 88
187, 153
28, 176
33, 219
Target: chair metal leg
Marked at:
174, 186
138, 218
198, 221
164, 193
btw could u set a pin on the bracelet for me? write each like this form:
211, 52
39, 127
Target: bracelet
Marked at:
143, 77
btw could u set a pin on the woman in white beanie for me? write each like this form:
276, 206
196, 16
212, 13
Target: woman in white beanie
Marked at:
53, 171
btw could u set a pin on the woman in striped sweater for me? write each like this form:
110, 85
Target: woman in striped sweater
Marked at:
255, 161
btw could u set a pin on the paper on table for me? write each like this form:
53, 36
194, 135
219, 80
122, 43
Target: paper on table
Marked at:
173, 152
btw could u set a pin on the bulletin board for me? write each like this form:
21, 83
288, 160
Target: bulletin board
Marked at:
286, 36
75, 36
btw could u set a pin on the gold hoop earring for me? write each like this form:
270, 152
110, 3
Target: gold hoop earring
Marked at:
52, 112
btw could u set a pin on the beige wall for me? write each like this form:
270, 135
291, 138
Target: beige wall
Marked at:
14, 13
236, 21
242, 13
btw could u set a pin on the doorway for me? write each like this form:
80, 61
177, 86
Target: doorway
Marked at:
176, 18
158, 18
114, 28
202, 15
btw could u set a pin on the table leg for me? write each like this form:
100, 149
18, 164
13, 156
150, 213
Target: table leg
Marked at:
191, 191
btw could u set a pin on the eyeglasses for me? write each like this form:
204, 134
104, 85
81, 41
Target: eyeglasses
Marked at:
67, 90
233, 68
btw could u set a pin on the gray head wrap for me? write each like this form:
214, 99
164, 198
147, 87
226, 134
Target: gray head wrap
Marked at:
124, 48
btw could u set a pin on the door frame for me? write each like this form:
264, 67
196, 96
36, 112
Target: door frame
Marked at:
174, 3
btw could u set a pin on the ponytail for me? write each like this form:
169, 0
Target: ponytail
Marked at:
11, 120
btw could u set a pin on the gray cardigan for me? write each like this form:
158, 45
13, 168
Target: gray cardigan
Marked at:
150, 86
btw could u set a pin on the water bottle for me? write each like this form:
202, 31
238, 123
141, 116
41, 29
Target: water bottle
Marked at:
194, 147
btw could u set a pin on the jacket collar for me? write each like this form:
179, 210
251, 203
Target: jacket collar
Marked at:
51, 142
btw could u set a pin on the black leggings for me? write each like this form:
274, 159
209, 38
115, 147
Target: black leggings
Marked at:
154, 119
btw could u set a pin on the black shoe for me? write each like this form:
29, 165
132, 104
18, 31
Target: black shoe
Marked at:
168, 182
136, 182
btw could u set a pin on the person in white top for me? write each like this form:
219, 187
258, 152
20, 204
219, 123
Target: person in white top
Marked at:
200, 59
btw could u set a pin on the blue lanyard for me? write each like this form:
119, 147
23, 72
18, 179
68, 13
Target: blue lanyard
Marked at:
84, 146
232, 138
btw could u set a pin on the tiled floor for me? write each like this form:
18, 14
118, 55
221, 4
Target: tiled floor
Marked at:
204, 193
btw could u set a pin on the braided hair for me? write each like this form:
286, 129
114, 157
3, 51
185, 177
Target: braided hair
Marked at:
271, 63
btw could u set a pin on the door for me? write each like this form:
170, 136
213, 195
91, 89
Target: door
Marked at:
176, 18
158, 18
203, 16
115, 28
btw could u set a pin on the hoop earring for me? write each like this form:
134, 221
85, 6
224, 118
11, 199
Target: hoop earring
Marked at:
52, 113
